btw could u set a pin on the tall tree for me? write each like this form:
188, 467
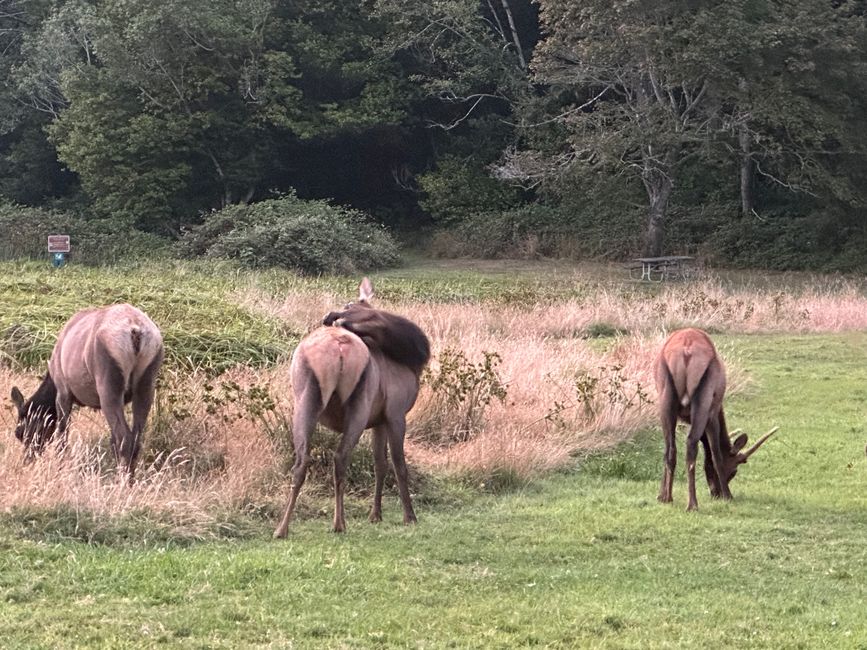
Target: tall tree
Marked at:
167, 107
643, 88
643, 82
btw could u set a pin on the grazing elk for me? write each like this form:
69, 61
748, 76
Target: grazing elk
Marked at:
361, 370
691, 382
104, 358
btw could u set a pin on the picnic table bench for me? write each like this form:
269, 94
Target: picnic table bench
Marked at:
657, 269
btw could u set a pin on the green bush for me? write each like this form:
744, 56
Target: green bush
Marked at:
24, 232
312, 237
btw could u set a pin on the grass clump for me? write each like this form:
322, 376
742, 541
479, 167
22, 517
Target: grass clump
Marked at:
461, 393
202, 324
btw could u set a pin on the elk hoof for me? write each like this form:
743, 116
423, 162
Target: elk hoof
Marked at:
280, 534
664, 498
375, 517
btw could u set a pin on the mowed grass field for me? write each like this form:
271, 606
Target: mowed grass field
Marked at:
580, 556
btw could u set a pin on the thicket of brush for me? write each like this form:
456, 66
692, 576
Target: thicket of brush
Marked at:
526, 374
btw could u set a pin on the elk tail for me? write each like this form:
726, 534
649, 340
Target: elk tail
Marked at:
672, 386
135, 335
688, 389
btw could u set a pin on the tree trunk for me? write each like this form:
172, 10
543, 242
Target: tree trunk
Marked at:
746, 161
659, 187
515, 39
746, 171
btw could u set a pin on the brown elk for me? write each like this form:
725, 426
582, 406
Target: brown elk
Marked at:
360, 370
691, 382
104, 358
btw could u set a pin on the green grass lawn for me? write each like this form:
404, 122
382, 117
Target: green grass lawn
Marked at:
584, 558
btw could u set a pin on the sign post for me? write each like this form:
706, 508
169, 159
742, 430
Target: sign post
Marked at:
58, 248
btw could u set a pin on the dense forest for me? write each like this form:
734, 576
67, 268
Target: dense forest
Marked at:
582, 128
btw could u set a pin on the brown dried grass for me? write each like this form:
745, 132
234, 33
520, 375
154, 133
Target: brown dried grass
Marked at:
193, 471
566, 394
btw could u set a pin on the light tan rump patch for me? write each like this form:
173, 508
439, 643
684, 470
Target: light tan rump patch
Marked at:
337, 359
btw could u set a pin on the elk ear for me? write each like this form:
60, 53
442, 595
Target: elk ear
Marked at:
365, 290
739, 443
17, 398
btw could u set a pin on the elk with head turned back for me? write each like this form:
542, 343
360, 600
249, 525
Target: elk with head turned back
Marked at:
361, 370
691, 382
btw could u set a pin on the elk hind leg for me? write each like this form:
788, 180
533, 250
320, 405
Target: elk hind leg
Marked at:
396, 433
308, 408
699, 412
142, 401
354, 421
669, 425
380, 467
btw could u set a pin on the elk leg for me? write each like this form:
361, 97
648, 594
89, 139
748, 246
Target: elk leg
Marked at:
121, 435
110, 387
713, 433
142, 400
669, 425
709, 469
380, 467
396, 433
691, 453
64, 411
355, 421
307, 410
699, 420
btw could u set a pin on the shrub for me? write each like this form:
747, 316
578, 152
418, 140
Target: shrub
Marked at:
822, 241
24, 232
526, 232
457, 188
463, 390
312, 237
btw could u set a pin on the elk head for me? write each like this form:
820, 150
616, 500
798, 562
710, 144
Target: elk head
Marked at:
734, 457
365, 293
37, 418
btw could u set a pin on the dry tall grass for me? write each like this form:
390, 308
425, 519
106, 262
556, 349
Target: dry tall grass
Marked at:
204, 458
565, 393
220, 444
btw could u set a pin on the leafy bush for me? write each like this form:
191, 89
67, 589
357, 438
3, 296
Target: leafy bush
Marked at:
463, 391
312, 237
24, 232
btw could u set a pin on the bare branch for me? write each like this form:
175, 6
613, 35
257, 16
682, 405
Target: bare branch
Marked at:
449, 127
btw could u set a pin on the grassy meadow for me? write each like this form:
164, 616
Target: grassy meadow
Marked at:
535, 457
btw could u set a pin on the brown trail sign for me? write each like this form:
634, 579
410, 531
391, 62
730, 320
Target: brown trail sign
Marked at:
58, 243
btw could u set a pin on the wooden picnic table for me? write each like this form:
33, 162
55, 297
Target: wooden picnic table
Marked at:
666, 267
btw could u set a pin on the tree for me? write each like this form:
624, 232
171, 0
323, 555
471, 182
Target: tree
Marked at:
29, 170
642, 89
800, 99
168, 107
